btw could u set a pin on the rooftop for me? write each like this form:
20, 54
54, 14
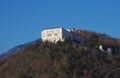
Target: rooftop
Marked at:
51, 28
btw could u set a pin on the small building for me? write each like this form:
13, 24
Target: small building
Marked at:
105, 48
59, 34
101, 48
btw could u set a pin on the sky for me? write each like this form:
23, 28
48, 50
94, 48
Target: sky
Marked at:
21, 21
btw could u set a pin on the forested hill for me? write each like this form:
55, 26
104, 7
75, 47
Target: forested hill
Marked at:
103, 38
65, 59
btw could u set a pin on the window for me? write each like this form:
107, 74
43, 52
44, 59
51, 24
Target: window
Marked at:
49, 35
56, 34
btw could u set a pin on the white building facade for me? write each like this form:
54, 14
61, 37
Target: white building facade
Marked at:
59, 34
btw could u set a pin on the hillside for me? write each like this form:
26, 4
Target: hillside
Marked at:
15, 50
103, 38
65, 59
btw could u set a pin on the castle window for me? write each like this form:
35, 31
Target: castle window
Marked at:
56, 34
49, 35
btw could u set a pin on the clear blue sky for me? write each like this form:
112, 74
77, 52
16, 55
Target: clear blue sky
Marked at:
21, 21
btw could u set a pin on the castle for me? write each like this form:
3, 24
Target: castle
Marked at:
60, 34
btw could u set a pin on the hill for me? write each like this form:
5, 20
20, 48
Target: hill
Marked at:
15, 50
65, 59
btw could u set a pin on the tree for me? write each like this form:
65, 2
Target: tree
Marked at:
93, 40
68, 40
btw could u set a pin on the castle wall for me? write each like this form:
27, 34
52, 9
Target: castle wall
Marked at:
56, 34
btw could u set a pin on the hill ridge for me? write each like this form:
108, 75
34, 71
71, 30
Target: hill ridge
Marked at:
64, 59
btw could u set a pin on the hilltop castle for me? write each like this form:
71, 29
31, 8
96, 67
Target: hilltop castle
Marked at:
59, 34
